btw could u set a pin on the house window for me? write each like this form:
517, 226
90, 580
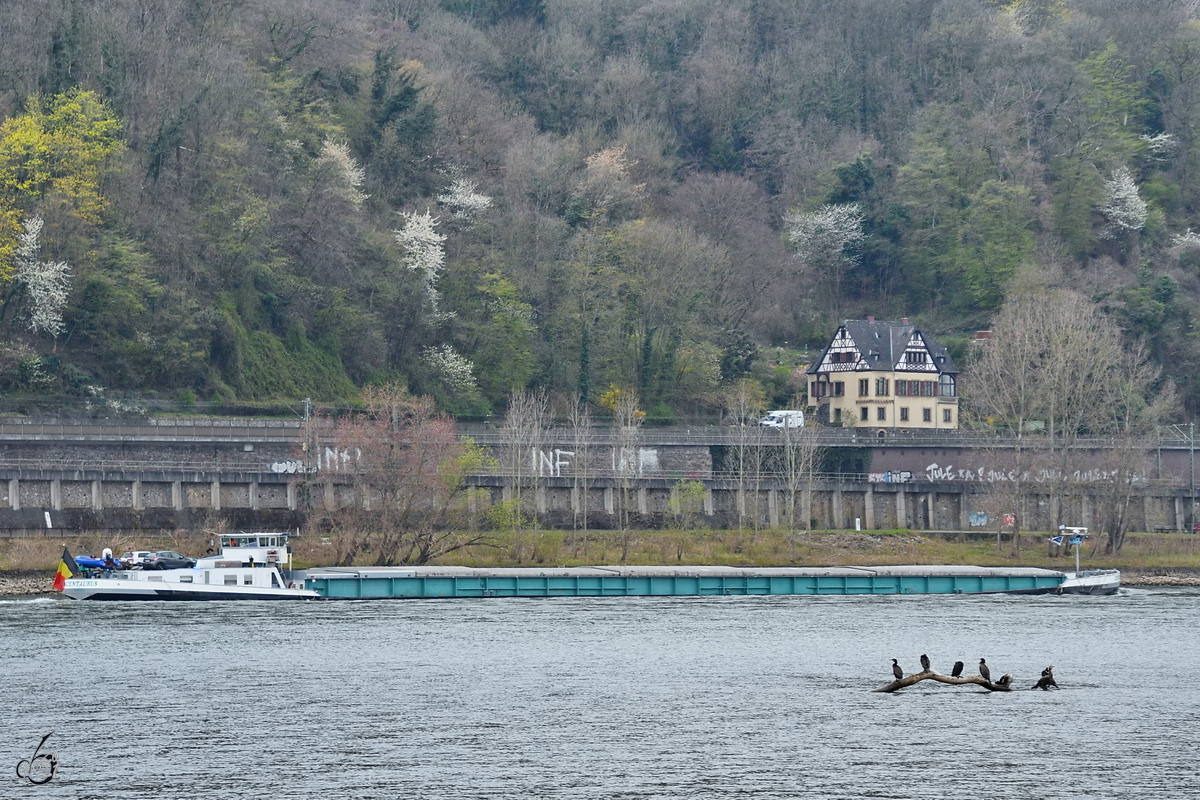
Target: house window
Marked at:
945, 415
881, 387
904, 415
946, 386
927, 414
839, 388
901, 388
863, 414
864, 387
837, 415
917, 358
926, 388
881, 414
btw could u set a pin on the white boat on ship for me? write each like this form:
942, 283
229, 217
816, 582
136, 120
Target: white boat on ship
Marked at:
250, 566
1092, 581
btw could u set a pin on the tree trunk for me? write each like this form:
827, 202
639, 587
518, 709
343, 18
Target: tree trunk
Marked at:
1002, 685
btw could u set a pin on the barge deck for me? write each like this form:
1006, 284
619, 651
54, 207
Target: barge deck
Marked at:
617, 581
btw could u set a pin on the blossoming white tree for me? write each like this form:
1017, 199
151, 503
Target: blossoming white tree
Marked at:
423, 251
336, 160
47, 283
1123, 207
456, 370
825, 240
464, 200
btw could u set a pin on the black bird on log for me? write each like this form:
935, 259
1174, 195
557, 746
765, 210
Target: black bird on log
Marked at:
958, 668
1046, 681
925, 662
984, 672
1005, 680
899, 673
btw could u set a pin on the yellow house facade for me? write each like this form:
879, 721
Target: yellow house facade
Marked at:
884, 375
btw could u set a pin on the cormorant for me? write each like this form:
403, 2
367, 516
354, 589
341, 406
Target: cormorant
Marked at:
1046, 681
925, 662
1005, 680
958, 668
984, 672
899, 673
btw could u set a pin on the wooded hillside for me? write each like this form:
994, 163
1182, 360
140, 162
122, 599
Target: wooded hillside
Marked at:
257, 199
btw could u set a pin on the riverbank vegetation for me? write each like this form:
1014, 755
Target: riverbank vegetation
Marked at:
1143, 551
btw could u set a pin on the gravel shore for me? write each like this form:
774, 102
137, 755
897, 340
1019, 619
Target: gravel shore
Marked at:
25, 583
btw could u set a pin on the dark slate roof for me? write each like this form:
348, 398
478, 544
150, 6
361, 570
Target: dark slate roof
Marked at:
882, 344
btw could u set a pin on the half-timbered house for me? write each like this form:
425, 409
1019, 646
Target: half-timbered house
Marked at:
885, 375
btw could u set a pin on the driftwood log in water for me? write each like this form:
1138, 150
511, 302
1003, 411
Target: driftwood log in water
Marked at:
1004, 684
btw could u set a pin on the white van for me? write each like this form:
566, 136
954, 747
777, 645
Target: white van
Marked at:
783, 419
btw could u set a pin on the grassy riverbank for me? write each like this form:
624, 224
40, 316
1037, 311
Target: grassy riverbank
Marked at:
1142, 552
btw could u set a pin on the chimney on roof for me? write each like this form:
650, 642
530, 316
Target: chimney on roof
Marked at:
983, 334
870, 319
904, 321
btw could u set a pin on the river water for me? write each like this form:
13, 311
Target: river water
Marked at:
744, 697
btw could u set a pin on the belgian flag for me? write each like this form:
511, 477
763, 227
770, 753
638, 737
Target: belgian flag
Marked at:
67, 568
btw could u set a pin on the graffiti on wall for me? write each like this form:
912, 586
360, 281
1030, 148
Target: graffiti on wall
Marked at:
893, 476
549, 463
934, 472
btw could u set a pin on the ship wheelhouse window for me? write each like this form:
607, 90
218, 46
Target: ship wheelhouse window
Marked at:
231, 580
185, 578
248, 579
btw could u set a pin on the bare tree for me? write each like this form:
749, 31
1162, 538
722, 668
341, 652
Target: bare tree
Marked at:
524, 436
627, 435
798, 457
744, 404
405, 468
1054, 373
579, 418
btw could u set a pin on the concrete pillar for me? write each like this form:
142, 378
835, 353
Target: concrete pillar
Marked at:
254, 495
97, 495
608, 500
216, 495
932, 500
293, 491
901, 508
806, 508
574, 499
838, 522
1149, 518
643, 501
1085, 510
136, 495
773, 507
708, 501
56, 494
1180, 521
14, 494
539, 499
177, 495
964, 514
506, 493
330, 496
741, 503
869, 506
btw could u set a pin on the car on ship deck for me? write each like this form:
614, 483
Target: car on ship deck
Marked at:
168, 559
